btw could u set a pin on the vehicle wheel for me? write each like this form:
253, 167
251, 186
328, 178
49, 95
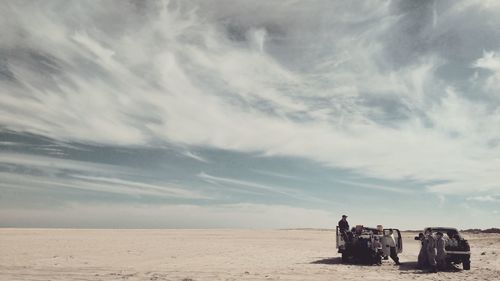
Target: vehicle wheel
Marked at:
345, 258
466, 265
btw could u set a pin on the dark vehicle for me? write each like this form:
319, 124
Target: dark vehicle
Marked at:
457, 248
367, 245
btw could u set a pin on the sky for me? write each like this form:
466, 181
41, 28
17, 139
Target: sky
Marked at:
249, 114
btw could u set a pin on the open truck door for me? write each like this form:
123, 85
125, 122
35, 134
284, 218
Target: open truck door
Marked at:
386, 250
397, 238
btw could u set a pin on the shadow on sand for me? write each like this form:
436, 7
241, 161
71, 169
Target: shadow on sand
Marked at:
409, 267
338, 260
412, 267
335, 260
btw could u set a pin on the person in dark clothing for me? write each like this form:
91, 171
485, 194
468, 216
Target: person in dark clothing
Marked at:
343, 224
440, 251
423, 261
379, 253
344, 229
431, 250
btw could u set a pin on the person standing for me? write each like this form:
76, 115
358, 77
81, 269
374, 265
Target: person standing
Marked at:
431, 250
422, 255
440, 251
377, 246
391, 242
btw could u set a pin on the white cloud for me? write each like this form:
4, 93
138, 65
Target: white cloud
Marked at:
42, 172
279, 175
195, 156
56, 164
162, 190
260, 188
491, 62
486, 198
375, 186
179, 77
96, 185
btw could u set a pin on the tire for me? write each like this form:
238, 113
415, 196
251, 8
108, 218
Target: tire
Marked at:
466, 265
345, 257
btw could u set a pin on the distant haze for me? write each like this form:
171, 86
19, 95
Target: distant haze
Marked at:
249, 114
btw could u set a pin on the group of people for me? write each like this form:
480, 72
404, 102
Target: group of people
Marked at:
432, 253
387, 238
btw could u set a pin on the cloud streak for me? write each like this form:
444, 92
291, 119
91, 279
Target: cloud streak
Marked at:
260, 188
375, 187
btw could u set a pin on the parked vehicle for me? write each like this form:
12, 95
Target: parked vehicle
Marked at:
457, 248
367, 244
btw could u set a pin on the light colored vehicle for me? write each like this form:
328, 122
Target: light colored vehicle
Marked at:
457, 248
367, 244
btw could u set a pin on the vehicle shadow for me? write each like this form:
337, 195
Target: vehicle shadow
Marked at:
338, 260
409, 266
412, 267
335, 260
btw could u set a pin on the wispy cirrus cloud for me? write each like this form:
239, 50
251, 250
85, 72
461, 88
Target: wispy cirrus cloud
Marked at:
376, 187
486, 198
95, 185
195, 156
39, 172
152, 189
54, 164
278, 175
261, 188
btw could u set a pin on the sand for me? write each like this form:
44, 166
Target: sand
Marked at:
73, 254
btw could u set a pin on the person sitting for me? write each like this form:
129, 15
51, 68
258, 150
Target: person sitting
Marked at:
343, 224
453, 242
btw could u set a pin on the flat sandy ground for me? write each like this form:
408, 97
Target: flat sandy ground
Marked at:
66, 254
